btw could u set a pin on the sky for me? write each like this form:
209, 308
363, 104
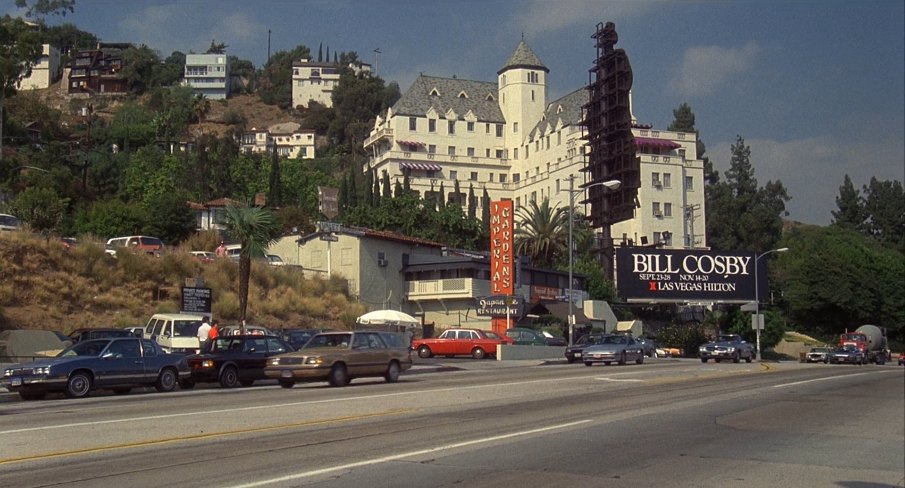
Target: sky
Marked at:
815, 88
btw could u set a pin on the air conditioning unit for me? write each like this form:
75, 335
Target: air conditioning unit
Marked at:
658, 213
382, 262
658, 184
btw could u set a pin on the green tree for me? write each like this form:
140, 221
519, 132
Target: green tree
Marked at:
172, 220
356, 103
201, 106
110, 218
773, 332
256, 229
41, 208
884, 203
275, 80
20, 48
740, 215
139, 65
851, 213
38, 9
541, 231
834, 278
275, 193
216, 47
684, 121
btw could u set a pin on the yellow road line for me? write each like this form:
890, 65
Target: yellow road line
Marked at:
202, 436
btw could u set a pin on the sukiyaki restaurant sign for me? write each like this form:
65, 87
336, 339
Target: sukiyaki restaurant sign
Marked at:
502, 275
660, 275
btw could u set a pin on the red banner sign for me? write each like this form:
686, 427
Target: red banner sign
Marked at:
502, 274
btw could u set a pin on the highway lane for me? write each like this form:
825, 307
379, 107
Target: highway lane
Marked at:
568, 425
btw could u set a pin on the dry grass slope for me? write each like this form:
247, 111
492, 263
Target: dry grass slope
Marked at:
43, 286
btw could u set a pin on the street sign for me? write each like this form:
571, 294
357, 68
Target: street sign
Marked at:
329, 237
756, 320
329, 201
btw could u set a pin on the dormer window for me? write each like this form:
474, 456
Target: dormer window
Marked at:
462, 94
435, 92
490, 98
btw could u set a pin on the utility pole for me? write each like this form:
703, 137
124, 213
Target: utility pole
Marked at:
268, 45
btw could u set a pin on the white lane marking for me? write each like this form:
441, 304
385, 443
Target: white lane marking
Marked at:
619, 379
317, 472
282, 405
827, 378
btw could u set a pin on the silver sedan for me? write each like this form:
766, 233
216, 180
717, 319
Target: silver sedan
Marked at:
614, 348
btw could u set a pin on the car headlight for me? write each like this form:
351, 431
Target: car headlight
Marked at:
207, 364
314, 360
730, 349
44, 370
274, 362
7, 372
702, 349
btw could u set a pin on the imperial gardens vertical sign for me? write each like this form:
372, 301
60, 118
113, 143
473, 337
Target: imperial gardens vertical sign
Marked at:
502, 272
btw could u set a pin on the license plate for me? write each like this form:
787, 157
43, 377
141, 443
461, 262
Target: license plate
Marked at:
286, 373
16, 382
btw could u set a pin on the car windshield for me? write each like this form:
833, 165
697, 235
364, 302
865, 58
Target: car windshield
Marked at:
299, 338
85, 348
186, 328
491, 334
9, 220
614, 340
329, 340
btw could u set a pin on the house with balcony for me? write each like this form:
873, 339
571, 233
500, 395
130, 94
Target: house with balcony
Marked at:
97, 71
425, 279
208, 75
313, 82
288, 139
508, 138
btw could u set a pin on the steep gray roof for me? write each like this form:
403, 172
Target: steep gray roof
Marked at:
523, 57
461, 96
567, 109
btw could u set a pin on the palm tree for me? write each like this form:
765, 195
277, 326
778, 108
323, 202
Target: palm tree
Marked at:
541, 232
201, 106
255, 228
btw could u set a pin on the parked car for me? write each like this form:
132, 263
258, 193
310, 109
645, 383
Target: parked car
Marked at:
174, 332
8, 222
553, 340
614, 348
234, 360
274, 260
340, 357
818, 355
727, 346
849, 354
902, 359
86, 333
476, 343
145, 244
522, 336
204, 256
119, 364
574, 352
68, 242
297, 337
650, 347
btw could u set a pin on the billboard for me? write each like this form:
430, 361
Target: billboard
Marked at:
682, 276
502, 272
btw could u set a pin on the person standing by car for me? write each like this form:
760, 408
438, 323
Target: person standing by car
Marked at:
214, 331
204, 332
221, 250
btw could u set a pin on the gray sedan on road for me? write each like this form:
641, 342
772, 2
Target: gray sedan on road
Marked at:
119, 364
614, 348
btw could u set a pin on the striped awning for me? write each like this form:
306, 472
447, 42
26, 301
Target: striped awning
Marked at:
411, 144
421, 166
652, 142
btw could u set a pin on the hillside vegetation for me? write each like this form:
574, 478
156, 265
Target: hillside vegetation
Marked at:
44, 286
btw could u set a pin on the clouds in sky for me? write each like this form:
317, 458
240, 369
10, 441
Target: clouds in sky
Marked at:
705, 69
543, 16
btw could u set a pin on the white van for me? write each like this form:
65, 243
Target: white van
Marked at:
174, 332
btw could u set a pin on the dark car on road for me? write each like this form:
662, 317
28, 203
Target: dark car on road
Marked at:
298, 337
118, 364
234, 360
848, 355
574, 352
614, 348
727, 346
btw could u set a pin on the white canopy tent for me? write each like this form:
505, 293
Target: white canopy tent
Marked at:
389, 319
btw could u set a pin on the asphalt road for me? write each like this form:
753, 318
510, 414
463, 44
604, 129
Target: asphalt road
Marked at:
667, 422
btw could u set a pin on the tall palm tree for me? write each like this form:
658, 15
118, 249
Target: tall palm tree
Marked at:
541, 232
201, 106
256, 229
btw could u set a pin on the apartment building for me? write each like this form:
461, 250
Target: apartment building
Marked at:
208, 75
97, 71
315, 82
506, 136
288, 139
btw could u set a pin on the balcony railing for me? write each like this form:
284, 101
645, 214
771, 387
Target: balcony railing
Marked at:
382, 133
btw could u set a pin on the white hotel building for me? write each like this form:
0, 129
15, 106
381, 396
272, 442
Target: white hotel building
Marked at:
506, 137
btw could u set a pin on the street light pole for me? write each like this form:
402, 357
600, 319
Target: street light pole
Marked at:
757, 322
610, 185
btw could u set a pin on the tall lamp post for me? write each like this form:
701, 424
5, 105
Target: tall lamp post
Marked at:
757, 322
609, 185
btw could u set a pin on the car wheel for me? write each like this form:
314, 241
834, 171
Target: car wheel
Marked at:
287, 383
716, 360
703, 360
229, 377
246, 382
79, 385
31, 395
622, 359
339, 376
424, 352
121, 391
588, 363
606, 363
166, 381
640, 359
750, 357
478, 353
737, 358
187, 384
654, 355
392, 374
